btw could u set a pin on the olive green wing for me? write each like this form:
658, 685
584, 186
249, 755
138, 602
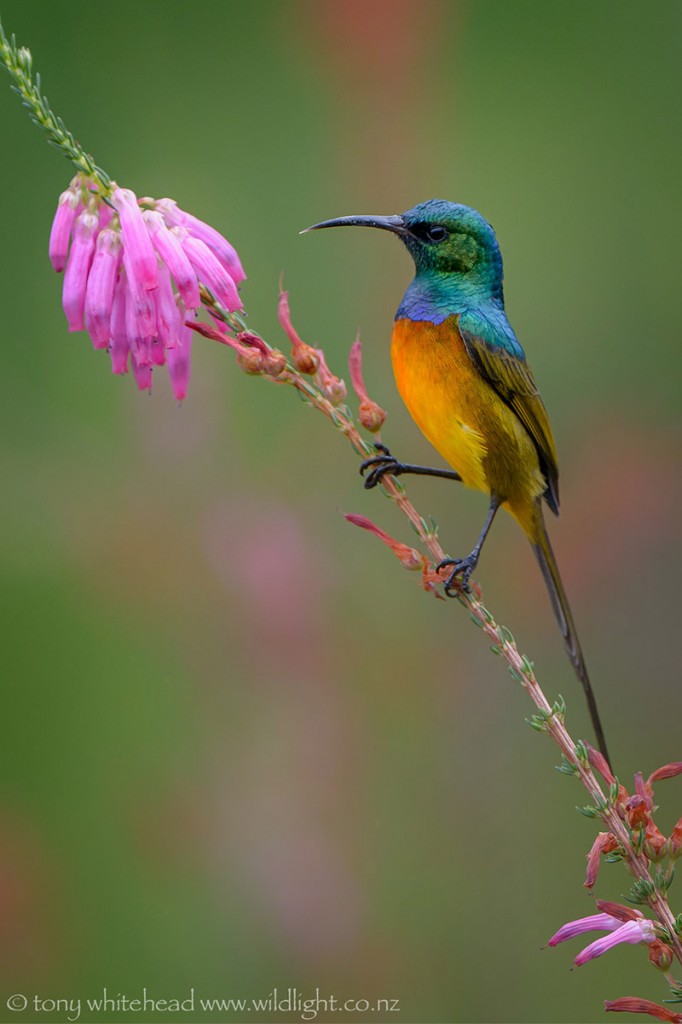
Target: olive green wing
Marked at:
496, 353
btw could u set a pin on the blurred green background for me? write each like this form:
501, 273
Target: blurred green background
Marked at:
241, 749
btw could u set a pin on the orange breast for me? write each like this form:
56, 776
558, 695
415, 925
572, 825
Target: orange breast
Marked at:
461, 414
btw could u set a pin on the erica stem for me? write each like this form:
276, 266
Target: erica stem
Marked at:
18, 63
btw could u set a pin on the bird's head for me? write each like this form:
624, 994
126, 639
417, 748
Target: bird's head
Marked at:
444, 239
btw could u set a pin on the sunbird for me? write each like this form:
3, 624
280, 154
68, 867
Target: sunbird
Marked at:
464, 378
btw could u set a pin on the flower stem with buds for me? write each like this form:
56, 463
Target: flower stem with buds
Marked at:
18, 63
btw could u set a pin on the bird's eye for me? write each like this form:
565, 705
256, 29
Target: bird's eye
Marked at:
436, 233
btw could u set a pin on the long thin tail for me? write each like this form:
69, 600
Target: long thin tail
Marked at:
550, 570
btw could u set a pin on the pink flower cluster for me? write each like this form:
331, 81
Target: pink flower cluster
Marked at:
132, 275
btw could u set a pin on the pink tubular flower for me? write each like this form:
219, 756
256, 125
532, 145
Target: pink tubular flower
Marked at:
211, 271
409, 558
593, 923
140, 314
226, 253
635, 928
179, 356
61, 228
640, 930
120, 346
167, 319
78, 268
631, 1004
99, 295
175, 258
138, 245
133, 273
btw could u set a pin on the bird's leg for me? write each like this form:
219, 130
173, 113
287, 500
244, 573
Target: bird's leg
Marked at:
465, 566
385, 463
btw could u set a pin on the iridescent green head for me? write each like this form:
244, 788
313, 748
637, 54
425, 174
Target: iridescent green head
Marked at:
457, 259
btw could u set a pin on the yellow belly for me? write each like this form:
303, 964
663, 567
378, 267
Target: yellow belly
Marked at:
462, 415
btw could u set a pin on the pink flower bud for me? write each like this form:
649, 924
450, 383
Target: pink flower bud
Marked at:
333, 387
675, 841
138, 246
221, 248
62, 224
78, 268
370, 414
604, 843
168, 246
179, 356
599, 762
668, 771
99, 295
303, 356
120, 347
211, 272
660, 955
655, 843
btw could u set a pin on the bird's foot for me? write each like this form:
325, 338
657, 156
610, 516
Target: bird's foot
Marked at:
379, 466
462, 567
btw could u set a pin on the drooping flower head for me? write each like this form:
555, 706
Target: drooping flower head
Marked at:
133, 274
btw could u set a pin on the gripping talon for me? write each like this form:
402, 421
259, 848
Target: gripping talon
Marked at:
379, 465
462, 567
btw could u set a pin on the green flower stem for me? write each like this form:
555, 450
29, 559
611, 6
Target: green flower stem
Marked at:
18, 63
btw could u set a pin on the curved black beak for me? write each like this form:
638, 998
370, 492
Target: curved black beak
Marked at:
395, 223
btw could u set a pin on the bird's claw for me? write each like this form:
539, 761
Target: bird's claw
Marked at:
378, 466
462, 567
